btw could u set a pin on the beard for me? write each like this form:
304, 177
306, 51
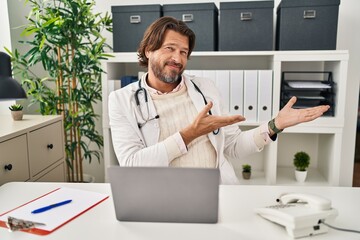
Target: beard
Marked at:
171, 77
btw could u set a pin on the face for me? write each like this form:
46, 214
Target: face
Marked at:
169, 61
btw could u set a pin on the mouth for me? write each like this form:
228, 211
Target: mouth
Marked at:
174, 65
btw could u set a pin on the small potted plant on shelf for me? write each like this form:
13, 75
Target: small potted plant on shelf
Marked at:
16, 111
246, 171
301, 163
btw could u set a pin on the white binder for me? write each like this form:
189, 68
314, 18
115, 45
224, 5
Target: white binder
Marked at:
223, 84
187, 72
250, 95
196, 73
210, 74
265, 95
237, 92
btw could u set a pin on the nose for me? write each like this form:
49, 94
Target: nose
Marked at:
176, 56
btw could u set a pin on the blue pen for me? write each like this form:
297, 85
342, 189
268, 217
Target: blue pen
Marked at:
43, 209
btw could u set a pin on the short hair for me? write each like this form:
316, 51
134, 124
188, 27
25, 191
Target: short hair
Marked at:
154, 36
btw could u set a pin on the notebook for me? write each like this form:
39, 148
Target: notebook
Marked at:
165, 194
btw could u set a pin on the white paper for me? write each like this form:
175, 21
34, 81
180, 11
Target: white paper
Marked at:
311, 97
307, 84
81, 201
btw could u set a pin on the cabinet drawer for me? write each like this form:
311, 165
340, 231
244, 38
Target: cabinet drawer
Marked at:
53, 174
46, 146
14, 165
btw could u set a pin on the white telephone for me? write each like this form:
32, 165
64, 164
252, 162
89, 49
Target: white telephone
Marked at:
301, 214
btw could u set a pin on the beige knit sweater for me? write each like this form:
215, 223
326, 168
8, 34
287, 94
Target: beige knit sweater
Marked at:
176, 111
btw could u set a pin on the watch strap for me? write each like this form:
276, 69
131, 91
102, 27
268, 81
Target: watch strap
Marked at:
273, 127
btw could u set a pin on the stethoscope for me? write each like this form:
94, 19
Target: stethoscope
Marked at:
147, 119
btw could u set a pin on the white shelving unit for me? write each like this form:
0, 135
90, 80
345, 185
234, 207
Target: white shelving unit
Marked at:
321, 138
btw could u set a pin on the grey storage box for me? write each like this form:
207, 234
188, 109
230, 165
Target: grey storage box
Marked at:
130, 23
307, 24
202, 18
246, 26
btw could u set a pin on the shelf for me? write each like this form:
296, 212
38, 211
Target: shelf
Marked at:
286, 176
257, 178
322, 138
326, 55
318, 126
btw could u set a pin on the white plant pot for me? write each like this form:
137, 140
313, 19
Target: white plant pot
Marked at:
300, 176
88, 178
17, 115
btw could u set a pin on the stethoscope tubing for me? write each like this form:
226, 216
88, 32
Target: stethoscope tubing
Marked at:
137, 101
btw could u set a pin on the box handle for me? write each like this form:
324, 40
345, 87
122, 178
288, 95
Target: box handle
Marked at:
246, 16
134, 19
310, 14
188, 17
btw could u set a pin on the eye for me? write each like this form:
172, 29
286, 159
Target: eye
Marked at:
170, 49
184, 53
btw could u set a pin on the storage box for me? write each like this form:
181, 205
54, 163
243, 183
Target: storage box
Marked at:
130, 23
202, 18
246, 26
307, 24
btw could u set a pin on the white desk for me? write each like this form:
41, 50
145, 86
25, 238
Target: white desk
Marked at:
236, 221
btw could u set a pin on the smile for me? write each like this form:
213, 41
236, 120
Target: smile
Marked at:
174, 65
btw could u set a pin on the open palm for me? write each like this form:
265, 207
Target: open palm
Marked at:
289, 116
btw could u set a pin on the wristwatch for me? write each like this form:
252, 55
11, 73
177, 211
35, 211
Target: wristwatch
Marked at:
273, 127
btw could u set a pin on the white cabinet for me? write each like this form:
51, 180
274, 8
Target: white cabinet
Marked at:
32, 149
321, 138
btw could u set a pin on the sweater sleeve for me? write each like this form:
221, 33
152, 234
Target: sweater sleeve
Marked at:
261, 136
175, 146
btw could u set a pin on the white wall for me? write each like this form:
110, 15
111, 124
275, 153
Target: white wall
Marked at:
348, 38
5, 41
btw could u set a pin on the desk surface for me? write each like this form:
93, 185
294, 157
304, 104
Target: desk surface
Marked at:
237, 219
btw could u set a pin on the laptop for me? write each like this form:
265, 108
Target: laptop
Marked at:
165, 194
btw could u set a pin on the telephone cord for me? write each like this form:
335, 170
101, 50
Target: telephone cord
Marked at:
337, 228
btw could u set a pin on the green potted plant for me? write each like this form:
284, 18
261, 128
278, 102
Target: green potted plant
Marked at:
16, 111
301, 163
65, 38
246, 171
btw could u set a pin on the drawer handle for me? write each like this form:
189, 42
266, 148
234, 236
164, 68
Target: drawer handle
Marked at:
246, 16
187, 17
8, 167
50, 146
309, 14
135, 19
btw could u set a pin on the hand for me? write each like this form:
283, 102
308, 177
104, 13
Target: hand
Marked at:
289, 116
205, 123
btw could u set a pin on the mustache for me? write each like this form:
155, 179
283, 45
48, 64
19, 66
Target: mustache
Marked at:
179, 65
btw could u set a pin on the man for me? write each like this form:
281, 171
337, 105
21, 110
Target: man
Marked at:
171, 119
